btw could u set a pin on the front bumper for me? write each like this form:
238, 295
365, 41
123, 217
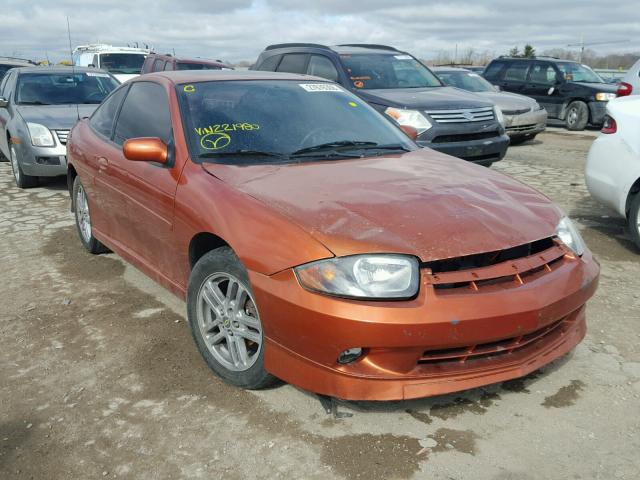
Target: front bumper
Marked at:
482, 143
305, 333
525, 124
43, 161
597, 111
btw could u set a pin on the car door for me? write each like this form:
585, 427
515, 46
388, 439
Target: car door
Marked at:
141, 194
514, 77
542, 85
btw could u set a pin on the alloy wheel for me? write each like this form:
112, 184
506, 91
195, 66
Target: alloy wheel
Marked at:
82, 214
228, 322
14, 164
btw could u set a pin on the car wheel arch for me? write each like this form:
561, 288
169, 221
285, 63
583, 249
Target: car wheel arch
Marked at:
633, 191
202, 243
71, 176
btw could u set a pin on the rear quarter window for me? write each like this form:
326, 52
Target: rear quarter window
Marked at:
294, 63
270, 63
493, 70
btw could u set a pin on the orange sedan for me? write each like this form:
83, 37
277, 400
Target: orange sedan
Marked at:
316, 243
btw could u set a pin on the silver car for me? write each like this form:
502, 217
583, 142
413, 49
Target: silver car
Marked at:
38, 108
524, 118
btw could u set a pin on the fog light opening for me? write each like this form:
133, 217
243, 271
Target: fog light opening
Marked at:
350, 355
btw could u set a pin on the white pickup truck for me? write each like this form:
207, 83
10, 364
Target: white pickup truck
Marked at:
122, 62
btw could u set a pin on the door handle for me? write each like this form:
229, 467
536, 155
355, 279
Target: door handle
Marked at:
103, 163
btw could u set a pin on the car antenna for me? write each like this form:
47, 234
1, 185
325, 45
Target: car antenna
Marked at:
73, 67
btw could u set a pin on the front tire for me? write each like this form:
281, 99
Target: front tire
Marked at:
22, 180
633, 219
224, 320
577, 115
83, 219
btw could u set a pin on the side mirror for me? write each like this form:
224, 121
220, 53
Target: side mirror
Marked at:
91, 65
411, 132
146, 149
3, 102
497, 88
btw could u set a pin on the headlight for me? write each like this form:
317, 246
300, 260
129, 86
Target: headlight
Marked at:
411, 118
363, 276
605, 97
499, 115
40, 135
569, 235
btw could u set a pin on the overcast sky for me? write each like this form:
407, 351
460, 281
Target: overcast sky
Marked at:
236, 30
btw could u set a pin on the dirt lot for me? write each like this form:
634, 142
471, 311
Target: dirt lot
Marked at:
99, 377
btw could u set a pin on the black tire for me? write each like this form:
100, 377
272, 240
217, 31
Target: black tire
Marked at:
633, 219
22, 180
577, 115
90, 243
223, 261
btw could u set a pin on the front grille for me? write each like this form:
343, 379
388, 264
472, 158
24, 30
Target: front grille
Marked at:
62, 136
465, 137
521, 128
513, 266
466, 115
519, 111
470, 353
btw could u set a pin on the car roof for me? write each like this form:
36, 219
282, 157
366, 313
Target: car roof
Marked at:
194, 76
59, 69
204, 61
15, 61
449, 69
350, 48
530, 59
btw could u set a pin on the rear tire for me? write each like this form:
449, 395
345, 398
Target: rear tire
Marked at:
633, 220
577, 115
83, 219
22, 180
225, 322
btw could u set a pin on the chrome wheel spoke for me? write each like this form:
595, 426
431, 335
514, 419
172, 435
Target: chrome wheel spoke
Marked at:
228, 322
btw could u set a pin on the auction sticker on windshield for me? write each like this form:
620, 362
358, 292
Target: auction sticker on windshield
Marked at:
320, 87
97, 74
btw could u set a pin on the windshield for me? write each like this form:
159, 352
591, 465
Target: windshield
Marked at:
128, 63
574, 72
197, 66
63, 88
371, 71
466, 81
282, 121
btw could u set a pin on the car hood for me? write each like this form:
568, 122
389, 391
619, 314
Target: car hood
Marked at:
421, 203
600, 87
508, 101
55, 117
446, 98
123, 77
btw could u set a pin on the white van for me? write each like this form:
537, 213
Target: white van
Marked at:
122, 62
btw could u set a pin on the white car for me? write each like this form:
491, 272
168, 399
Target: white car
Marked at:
613, 165
630, 84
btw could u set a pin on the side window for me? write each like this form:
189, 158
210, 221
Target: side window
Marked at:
168, 66
3, 84
321, 66
102, 119
492, 72
145, 113
542, 73
270, 63
516, 72
294, 63
158, 66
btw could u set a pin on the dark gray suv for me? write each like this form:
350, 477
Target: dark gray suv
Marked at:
446, 119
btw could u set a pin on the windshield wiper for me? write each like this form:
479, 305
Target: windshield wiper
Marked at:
338, 147
333, 146
243, 153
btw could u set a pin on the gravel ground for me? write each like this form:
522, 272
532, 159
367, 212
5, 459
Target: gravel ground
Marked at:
99, 377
